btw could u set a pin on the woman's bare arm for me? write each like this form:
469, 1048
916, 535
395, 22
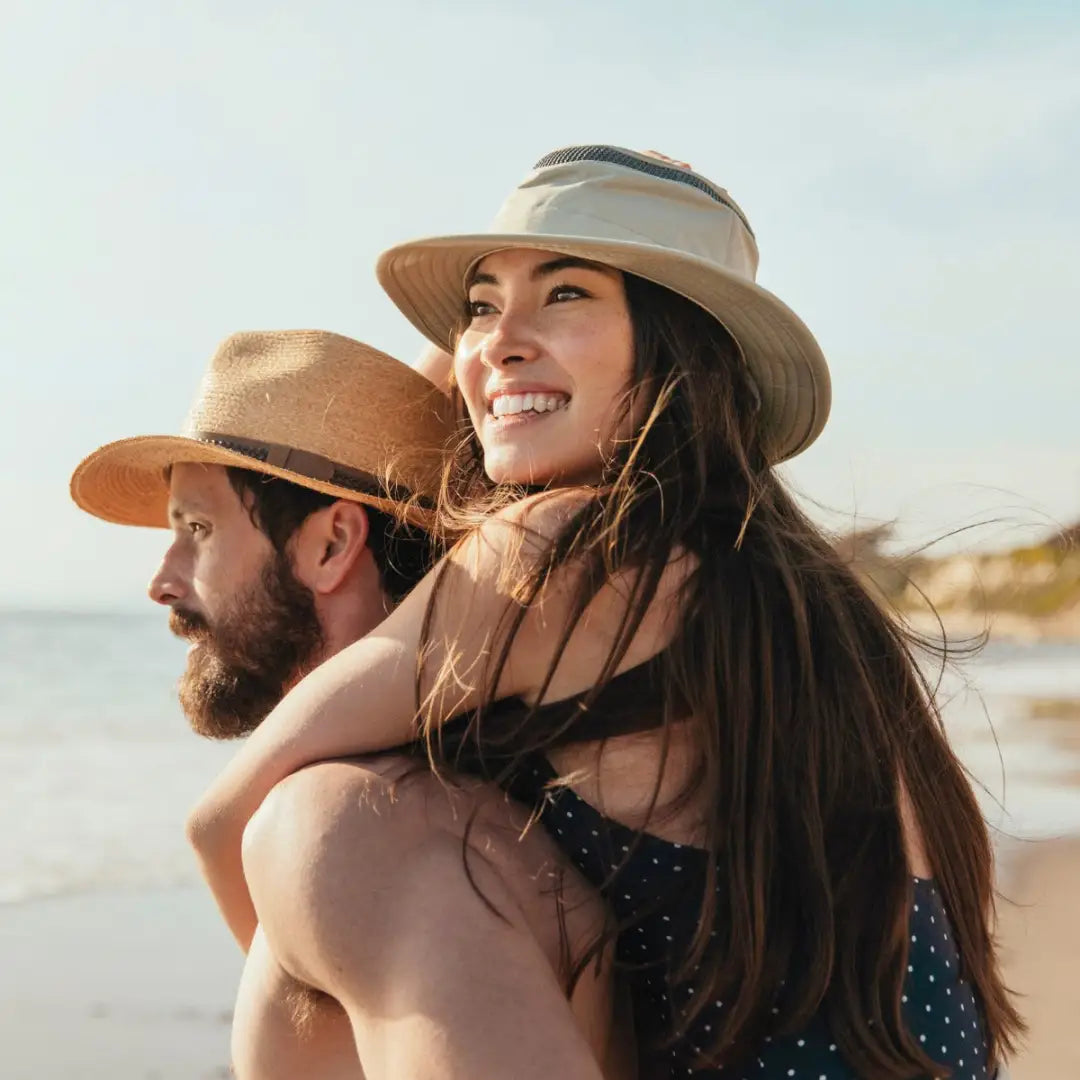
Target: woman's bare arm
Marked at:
363, 700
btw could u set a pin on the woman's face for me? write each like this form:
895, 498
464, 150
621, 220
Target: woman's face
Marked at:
544, 364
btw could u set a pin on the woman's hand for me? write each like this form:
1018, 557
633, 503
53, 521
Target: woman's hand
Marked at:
437, 365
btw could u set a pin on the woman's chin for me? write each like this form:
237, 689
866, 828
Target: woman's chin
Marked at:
503, 466
526, 476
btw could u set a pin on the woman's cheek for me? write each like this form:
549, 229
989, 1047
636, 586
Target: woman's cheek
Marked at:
476, 418
468, 383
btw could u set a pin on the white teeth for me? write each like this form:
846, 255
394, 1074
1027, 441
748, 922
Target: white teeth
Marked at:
512, 404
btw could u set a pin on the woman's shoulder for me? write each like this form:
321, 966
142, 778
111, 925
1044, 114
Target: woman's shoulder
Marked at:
541, 515
528, 527
564, 621
516, 534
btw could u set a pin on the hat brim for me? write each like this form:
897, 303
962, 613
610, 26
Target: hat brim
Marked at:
425, 279
125, 482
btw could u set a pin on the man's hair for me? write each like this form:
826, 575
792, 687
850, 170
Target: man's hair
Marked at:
402, 553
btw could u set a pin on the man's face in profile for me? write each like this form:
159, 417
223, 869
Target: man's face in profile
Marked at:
252, 625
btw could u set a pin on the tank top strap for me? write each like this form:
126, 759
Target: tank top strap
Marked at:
630, 702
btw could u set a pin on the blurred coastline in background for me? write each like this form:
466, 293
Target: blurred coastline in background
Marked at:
1029, 592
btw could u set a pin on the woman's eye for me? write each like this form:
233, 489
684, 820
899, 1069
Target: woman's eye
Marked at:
562, 293
478, 308
196, 528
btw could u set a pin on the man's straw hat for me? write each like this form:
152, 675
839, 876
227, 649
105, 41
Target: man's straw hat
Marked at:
646, 216
307, 406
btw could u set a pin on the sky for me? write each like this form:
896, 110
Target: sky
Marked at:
173, 172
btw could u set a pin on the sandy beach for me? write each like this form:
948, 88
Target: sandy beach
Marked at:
116, 986
1040, 936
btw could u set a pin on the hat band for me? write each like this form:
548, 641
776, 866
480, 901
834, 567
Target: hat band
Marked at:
313, 466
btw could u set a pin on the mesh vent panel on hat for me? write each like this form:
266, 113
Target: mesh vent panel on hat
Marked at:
615, 156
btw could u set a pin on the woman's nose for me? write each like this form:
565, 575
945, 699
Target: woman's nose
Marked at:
512, 341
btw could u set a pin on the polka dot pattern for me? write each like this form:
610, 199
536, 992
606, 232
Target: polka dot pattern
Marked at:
656, 890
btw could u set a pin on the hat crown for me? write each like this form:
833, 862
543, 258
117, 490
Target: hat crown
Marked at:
306, 406
328, 395
610, 193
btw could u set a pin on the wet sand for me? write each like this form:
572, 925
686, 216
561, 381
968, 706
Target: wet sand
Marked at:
1040, 940
124, 986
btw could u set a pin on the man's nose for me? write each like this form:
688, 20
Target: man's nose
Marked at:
166, 586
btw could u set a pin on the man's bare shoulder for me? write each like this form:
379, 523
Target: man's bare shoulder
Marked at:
398, 792
376, 820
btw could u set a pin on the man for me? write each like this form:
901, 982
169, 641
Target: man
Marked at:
283, 496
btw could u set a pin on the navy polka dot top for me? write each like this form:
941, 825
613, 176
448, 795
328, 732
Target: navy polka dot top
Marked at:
653, 888
940, 1008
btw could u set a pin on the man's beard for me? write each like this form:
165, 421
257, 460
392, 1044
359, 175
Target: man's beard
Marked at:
241, 666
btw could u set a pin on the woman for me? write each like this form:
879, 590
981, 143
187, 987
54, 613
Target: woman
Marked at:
639, 631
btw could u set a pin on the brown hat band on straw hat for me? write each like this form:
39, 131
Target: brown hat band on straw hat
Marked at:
312, 466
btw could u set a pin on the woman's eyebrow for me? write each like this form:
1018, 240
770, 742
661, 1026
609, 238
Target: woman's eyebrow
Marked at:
568, 262
480, 279
545, 269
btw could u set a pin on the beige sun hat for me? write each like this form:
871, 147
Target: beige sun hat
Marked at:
311, 407
646, 216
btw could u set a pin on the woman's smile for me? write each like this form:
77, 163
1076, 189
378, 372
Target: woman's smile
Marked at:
513, 410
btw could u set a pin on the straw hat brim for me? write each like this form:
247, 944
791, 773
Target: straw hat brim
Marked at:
125, 481
425, 279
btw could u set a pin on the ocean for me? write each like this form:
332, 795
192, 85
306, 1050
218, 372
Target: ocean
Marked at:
98, 766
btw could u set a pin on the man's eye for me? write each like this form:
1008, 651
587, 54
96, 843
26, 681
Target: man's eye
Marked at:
196, 528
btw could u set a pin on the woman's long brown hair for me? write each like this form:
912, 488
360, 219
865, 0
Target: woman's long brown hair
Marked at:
809, 713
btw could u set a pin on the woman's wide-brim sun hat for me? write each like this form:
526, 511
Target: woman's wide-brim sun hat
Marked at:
646, 216
314, 408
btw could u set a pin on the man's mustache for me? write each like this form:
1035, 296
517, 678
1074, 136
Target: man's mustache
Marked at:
189, 625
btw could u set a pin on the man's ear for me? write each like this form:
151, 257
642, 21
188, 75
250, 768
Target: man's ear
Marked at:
328, 545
